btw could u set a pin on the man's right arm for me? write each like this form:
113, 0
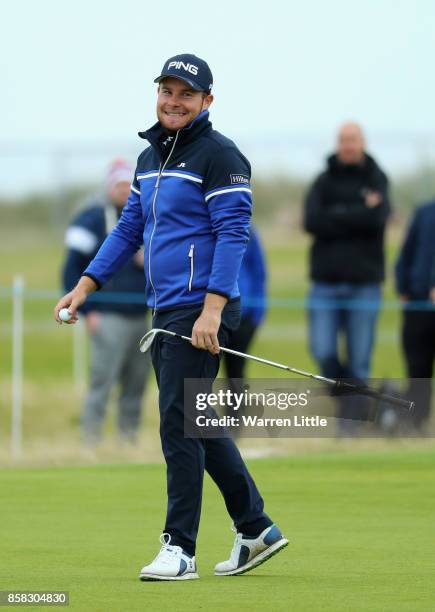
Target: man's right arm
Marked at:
81, 240
121, 244
318, 219
75, 298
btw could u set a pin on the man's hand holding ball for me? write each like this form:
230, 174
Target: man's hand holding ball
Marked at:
65, 310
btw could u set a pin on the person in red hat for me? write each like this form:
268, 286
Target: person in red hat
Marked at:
115, 322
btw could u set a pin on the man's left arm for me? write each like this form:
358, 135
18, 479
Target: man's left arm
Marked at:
372, 214
228, 196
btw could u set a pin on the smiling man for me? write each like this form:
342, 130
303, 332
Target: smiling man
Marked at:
178, 104
190, 204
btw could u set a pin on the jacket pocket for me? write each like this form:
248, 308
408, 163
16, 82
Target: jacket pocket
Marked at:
192, 264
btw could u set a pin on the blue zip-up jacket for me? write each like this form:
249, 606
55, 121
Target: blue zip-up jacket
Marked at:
83, 238
190, 204
415, 267
252, 280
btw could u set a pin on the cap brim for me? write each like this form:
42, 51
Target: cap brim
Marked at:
173, 76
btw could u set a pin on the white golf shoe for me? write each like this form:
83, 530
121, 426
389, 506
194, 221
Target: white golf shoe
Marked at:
249, 552
172, 563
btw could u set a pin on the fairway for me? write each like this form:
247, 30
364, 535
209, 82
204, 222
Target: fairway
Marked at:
361, 531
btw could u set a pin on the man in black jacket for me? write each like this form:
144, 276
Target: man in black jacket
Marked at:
346, 210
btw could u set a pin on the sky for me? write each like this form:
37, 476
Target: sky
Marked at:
77, 78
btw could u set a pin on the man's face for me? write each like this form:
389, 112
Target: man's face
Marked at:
119, 193
178, 104
350, 144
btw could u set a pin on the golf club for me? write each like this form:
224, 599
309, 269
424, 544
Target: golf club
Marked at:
338, 385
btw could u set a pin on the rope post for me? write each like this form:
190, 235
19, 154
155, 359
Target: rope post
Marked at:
17, 366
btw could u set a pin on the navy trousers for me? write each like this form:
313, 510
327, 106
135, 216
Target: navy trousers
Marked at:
186, 458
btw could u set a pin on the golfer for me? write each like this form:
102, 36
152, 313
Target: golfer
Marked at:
190, 205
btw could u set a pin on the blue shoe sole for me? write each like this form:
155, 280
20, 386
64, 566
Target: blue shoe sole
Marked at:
269, 552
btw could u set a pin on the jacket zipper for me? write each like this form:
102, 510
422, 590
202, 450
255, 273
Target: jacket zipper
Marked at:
156, 189
192, 248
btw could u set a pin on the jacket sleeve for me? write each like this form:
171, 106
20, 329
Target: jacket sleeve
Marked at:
259, 275
319, 220
406, 257
343, 220
228, 196
361, 219
81, 241
122, 243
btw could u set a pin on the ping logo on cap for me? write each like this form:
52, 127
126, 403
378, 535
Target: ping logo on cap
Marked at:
188, 67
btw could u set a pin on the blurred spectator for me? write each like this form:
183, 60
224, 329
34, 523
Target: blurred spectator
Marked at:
115, 327
346, 210
252, 285
415, 282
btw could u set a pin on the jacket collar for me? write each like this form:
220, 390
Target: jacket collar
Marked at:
156, 134
367, 165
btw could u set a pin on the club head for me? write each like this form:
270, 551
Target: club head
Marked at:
147, 340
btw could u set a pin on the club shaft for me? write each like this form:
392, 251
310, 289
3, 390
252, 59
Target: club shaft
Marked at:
338, 384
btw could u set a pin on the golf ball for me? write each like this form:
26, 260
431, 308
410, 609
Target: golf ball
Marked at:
64, 315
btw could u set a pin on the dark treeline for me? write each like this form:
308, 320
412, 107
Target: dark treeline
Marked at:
276, 198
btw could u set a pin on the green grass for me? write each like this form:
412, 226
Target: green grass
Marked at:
361, 525
361, 530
